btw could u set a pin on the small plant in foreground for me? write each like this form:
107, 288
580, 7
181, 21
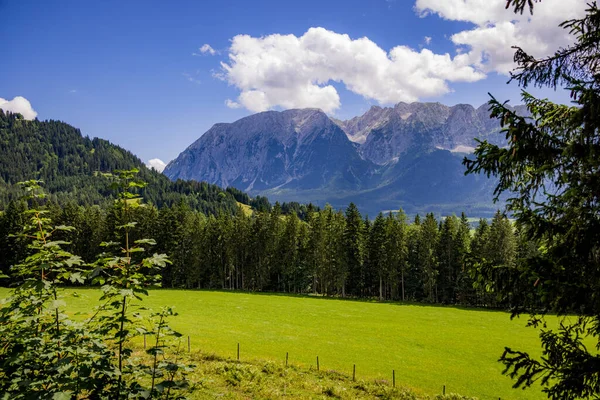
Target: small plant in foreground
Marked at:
125, 275
45, 355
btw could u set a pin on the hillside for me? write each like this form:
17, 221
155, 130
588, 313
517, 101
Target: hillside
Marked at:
66, 161
408, 156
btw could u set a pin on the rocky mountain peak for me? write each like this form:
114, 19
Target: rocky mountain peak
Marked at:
386, 155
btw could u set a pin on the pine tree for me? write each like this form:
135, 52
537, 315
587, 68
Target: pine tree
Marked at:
448, 260
316, 250
337, 253
550, 168
414, 282
242, 244
354, 249
396, 253
289, 248
12, 250
427, 257
377, 257
462, 244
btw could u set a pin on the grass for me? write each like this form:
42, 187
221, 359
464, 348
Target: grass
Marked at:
247, 210
427, 346
215, 377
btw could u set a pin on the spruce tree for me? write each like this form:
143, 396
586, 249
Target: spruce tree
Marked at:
550, 168
377, 266
428, 239
462, 243
354, 249
448, 260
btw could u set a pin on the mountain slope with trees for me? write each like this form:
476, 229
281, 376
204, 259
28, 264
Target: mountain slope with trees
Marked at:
67, 162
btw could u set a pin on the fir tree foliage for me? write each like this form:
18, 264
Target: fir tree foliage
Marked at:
551, 168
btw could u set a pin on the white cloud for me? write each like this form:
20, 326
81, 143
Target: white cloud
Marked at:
463, 149
19, 105
291, 71
206, 48
488, 44
296, 72
232, 104
156, 164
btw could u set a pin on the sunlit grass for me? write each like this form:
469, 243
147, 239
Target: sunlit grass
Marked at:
427, 346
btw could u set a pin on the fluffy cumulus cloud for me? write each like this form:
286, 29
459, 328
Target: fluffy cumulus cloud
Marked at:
232, 104
156, 164
19, 105
488, 45
291, 71
205, 49
295, 72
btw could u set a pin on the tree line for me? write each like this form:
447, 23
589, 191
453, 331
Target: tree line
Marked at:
328, 252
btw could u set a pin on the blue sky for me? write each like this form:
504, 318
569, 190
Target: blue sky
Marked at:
126, 70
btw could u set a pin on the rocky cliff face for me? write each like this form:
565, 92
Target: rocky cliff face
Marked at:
386, 158
300, 149
384, 134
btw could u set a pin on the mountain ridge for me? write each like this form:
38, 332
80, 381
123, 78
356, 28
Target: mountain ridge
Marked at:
305, 155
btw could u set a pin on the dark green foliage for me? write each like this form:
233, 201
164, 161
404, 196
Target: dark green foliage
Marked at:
66, 162
551, 168
44, 354
427, 258
354, 247
464, 288
12, 250
448, 259
330, 253
377, 264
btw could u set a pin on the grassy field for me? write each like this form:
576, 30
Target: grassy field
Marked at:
427, 346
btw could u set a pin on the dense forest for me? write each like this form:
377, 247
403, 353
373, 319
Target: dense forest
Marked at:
215, 243
330, 253
67, 163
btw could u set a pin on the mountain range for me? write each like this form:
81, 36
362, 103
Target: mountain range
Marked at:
408, 156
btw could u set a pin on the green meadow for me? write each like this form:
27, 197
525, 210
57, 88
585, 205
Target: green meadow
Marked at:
427, 346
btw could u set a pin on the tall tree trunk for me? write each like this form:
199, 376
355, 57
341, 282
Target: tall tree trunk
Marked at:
402, 285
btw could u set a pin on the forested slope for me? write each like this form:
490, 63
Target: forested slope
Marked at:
67, 162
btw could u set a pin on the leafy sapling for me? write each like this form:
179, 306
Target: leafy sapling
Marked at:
43, 354
125, 275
